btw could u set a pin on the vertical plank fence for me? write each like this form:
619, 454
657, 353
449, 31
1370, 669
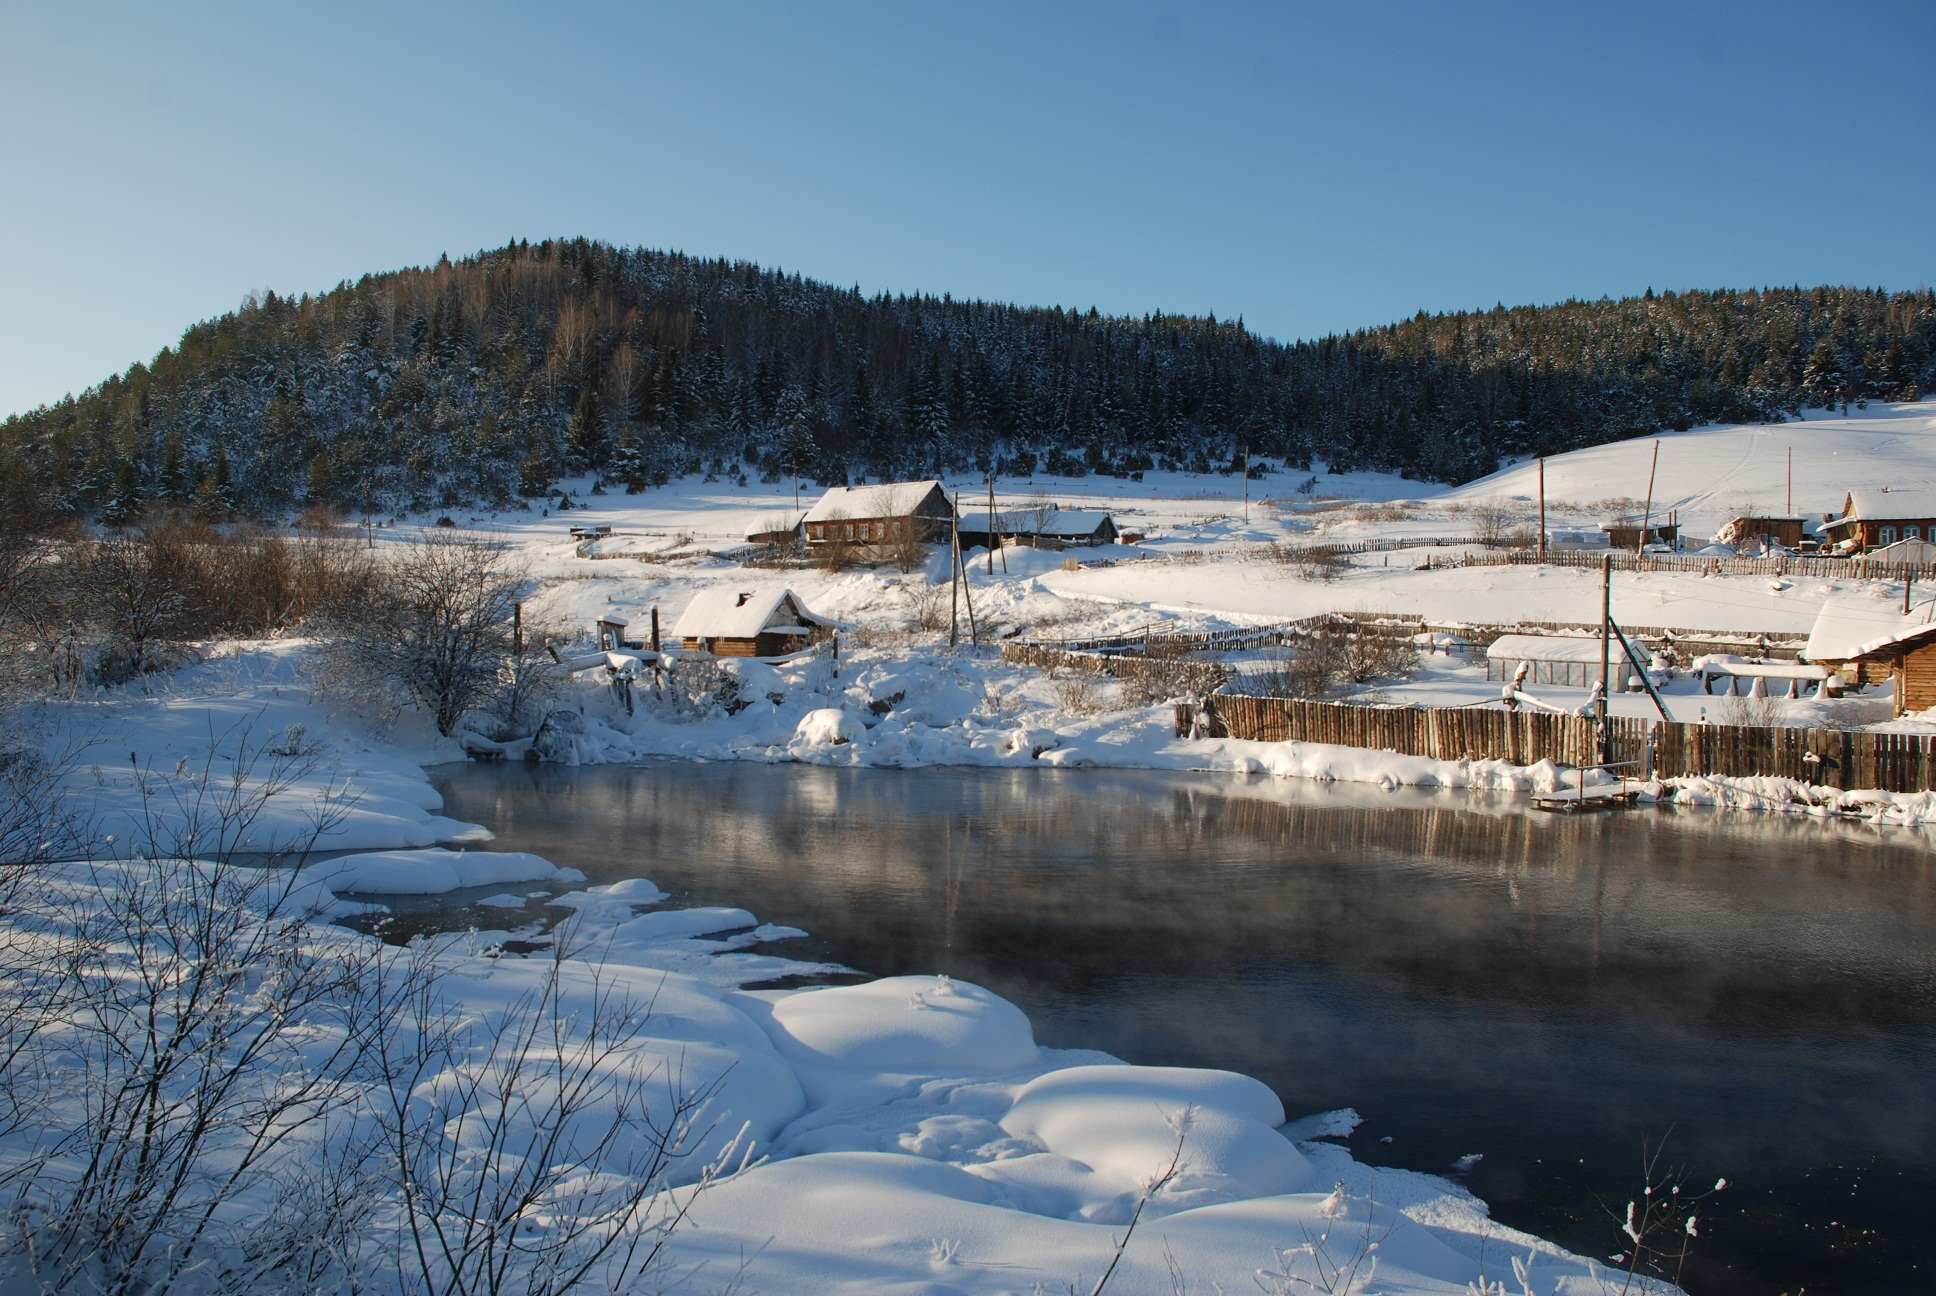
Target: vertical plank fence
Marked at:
1839, 758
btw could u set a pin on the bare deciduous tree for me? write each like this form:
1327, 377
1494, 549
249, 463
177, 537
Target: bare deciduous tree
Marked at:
436, 624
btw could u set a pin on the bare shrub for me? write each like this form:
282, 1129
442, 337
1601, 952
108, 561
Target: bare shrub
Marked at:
527, 680
1491, 521
227, 1098
1078, 694
436, 626
697, 687
1750, 711
1160, 679
137, 593
927, 604
1328, 656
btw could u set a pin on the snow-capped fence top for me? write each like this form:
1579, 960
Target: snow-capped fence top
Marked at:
1837, 758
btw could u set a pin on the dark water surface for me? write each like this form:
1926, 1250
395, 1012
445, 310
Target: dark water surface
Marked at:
1470, 975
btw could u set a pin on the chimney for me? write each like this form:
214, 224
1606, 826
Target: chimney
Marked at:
742, 600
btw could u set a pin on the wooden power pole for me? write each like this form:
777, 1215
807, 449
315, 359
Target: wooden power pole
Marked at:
954, 573
1640, 546
1606, 650
994, 532
1542, 510
1246, 485
1789, 508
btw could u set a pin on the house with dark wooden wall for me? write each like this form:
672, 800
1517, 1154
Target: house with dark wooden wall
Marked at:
1870, 641
742, 623
1871, 518
881, 514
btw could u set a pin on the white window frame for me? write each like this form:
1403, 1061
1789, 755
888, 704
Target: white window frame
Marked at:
1886, 535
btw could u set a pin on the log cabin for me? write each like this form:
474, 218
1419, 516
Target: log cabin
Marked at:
1867, 641
736, 623
1872, 518
882, 515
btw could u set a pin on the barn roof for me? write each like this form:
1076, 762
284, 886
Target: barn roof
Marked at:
884, 499
1058, 522
1855, 626
723, 612
1525, 647
1887, 502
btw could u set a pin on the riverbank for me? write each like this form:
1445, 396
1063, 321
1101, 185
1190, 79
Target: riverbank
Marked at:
906, 1134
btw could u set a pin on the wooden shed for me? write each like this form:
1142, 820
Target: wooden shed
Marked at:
880, 515
1763, 528
738, 623
1869, 641
1624, 533
1048, 528
1555, 659
1871, 518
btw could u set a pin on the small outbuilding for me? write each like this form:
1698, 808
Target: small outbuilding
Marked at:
1046, 528
1869, 641
1556, 659
739, 623
1762, 530
1904, 553
1624, 533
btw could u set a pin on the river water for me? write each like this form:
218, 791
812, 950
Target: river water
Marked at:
1550, 992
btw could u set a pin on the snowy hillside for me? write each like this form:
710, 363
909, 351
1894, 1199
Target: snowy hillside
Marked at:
1713, 473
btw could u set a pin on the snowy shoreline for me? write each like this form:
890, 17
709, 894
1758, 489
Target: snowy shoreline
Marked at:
909, 1133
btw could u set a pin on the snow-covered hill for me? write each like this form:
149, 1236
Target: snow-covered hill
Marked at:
1712, 473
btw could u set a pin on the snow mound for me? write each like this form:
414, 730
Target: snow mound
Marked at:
911, 1025
431, 871
826, 727
1123, 1122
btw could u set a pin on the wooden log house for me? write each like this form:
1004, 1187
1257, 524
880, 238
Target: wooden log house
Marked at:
881, 515
1873, 518
1867, 641
737, 623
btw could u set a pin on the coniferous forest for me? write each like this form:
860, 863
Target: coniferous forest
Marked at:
488, 379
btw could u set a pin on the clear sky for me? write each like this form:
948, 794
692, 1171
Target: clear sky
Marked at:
1312, 169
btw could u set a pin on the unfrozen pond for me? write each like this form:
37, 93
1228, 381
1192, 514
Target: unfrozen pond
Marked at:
1473, 977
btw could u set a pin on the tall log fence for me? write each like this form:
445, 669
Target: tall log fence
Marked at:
1839, 758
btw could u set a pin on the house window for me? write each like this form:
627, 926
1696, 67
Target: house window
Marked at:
1912, 532
1887, 534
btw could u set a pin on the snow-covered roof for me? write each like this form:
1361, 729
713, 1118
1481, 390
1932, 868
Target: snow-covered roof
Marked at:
1525, 647
1904, 551
1883, 503
1856, 625
723, 612
881, 500
1048, 522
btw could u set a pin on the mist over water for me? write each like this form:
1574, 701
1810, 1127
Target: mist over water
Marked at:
1472, 976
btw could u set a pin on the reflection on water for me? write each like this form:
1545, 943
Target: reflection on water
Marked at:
1474, 977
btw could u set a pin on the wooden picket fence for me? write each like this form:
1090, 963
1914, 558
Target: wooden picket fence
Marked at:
1837, 758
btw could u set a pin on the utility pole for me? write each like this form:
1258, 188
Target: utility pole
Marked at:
1908, 582
1246, 484
1789, 508
1606, 650
517, 631
1640, 547
994, 532
954, 574
1542, 510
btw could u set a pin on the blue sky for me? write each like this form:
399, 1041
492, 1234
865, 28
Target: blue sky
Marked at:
1310, 169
